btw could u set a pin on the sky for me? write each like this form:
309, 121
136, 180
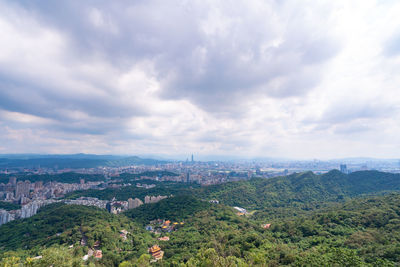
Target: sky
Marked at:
273, 78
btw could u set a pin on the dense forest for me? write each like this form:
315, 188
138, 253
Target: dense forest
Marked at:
59, 226
175, 208
299, 220
301, 189
9, 206
123, 193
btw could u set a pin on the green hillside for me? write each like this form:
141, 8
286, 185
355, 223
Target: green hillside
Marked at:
301, 189
174, 208
360, 232
315, 220
123, 193
60, 224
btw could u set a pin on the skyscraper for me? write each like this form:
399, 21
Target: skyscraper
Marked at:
343, 168
27, 187
19, 189
188, 177
192, 158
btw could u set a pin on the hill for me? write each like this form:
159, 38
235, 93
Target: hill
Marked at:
360, 232
174, 208
60, 224
301, 189
123, 193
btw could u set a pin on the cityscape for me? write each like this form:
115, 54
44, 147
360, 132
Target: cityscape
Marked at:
33, 195
247, 133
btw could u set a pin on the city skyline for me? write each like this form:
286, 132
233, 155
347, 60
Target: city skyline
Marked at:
274, 79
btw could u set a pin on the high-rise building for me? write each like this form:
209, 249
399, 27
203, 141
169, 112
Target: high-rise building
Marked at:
149, 199
13, 180
38, 185
27, 186
137, 202
343, 168
4, 217
19, 189
131, 203
192, 158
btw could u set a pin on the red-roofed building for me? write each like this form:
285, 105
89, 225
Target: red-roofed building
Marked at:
266, 226
98, 254
164, 238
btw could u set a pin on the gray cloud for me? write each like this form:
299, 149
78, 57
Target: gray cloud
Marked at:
353, 110
49, 102
213, 55
171, 77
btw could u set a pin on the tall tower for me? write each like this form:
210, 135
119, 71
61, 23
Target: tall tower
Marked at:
192, 158
343, 168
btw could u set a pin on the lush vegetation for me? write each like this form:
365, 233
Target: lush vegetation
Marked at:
65, 225
123, 193
175, 208
9, 206
315, 220
301, 189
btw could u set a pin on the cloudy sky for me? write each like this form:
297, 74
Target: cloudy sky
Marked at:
271, 78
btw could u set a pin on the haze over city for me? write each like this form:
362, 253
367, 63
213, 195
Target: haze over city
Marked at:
290, 79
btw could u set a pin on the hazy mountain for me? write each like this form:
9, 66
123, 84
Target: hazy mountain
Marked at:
73, 161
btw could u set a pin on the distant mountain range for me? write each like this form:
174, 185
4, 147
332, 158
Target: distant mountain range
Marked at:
73, 161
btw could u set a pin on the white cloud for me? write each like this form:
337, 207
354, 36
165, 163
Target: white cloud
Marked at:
258, 78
